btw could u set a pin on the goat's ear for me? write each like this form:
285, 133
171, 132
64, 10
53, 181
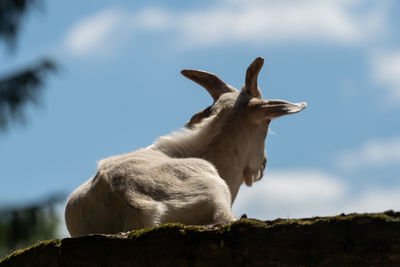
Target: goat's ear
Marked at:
251, 85
214, 85
198, 117
270, 109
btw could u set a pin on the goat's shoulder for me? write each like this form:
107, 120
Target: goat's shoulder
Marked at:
138, 157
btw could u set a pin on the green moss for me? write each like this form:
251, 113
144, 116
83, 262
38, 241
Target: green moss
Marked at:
365, 216
40, 244
249, 222
342, 217
244, 222
222, 229
392, 214
168, 226
185, 229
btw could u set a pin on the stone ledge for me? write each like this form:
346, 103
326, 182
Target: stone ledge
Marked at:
355, 239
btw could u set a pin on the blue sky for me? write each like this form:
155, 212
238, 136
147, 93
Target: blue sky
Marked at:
119, 87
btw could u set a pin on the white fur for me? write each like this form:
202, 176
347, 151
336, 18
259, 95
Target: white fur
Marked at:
191, 176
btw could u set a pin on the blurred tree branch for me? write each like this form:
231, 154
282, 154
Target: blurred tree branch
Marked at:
11, 13
20, 226
22, 87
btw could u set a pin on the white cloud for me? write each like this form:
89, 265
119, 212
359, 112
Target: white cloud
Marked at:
300, 185
375, 200
236, 21
291, 193
153, 19
279, 21
374, 153
385, 68
306, 193
94, 33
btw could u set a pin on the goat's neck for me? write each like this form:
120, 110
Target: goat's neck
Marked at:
227, 153
230, 164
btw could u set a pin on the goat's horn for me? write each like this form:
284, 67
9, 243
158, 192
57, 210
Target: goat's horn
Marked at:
214, 85
251, 77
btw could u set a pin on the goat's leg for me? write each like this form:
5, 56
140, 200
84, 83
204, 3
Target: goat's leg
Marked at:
223, 214
221, 201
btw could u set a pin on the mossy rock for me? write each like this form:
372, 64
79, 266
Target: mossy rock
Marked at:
355, 239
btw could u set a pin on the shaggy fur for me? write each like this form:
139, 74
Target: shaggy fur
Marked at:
191, 176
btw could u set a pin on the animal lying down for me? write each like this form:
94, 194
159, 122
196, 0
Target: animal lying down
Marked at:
191, 176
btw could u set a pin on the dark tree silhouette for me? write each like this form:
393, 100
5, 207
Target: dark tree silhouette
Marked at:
21, 87
11, 13
21, 225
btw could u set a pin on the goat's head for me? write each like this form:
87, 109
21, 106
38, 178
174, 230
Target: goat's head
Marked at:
242, 115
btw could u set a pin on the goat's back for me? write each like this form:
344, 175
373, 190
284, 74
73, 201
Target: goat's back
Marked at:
145, 188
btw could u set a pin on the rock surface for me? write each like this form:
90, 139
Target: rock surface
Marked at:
355, 239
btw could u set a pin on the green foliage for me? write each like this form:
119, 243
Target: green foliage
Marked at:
11, 13
21, 87
23, 226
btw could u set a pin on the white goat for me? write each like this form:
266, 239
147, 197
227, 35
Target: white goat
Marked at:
191, 176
